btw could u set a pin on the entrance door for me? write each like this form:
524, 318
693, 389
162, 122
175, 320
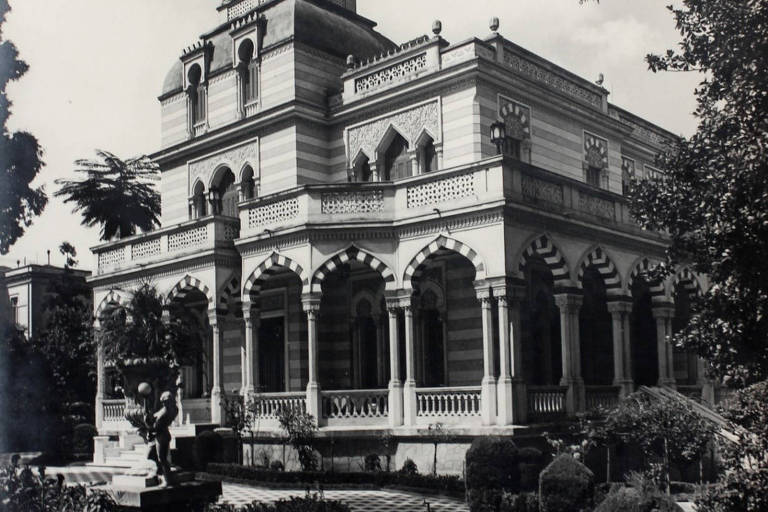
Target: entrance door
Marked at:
272, 354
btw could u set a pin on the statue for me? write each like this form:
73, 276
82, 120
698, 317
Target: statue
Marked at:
163, 420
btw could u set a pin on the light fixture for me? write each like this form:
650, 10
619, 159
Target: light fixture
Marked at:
498, 135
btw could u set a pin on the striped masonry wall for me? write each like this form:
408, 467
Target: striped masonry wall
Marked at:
278, 77
232, 334
465, 328
173, 195
278, 160
312, 154
222, 99
173, 115
461, 128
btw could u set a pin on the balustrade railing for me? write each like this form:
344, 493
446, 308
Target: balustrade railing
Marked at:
546, 402
196, 410
269, 406
601, 397
114, 411
355, 404
448, 402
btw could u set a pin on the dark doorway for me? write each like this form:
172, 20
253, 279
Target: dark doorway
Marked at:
434, 349
595, 331
645, 358
272, 354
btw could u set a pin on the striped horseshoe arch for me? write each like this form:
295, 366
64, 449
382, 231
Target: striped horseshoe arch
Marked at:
268, 267
187, 284
688, 281
229, 299
599, 260
349, 255
546, 250
112, 299
640, 271
414, 268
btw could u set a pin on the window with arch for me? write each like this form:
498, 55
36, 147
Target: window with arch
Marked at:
397, 161
248, 71
427, 155
198, 206
196, 92
362, 171
248, 184
224, 195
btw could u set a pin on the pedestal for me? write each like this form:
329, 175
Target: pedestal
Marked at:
187, 494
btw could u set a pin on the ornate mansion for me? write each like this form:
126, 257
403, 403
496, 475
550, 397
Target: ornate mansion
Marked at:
391, 236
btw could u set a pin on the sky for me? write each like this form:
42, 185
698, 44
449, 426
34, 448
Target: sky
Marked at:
97, 66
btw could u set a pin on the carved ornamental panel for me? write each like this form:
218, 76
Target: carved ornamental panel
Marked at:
369, 201
235, 158
409, 123
517, 118
595, 151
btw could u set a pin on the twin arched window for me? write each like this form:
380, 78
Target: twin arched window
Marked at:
398, 161
248, 71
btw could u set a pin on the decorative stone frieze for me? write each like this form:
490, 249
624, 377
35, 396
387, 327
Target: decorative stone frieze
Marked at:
188, 239
111, 258
241, 8
231, 232
539, 190
148, 249
597, 206
273, 213
366, 201
441, 191
644, 133
540, 74
409, 123
235, 158
396, 73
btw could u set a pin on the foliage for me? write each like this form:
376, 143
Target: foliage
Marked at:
23, 491
409, 468
207, 445
445, 483
300, 428
309, 503
630, 499
743, 486
531, 462
20, 155
146, 338
238, 415
566, 485
667, 429
276, 465
119, 195
713, 198
372, 462
492, 463
524, 502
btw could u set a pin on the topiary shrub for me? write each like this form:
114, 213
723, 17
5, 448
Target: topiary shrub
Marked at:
372, 462
207, 445
409, 468
492, 468
524, 502
276, 465
82, 438
566, 485
530, 465
629, 499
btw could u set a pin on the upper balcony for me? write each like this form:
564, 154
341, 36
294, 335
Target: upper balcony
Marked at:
170, 243
490, 183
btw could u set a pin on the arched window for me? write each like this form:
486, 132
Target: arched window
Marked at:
427, 154
593, 176
397, 161
225, 197
199, 208
248, 185
196, 92
247, 69
362, 171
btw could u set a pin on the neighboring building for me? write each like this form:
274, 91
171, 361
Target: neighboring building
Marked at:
336, 211
26, 290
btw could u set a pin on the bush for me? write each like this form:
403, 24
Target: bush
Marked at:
372, 462
492, 464
309, 503
276, 465
82, 438
300, 428
207, 445
409, 468
629, 499
566, 485
530, 465
524, 502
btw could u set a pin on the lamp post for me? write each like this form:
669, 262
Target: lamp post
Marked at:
499, 135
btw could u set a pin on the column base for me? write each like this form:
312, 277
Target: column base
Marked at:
99, 413
395, 403
626, 387
409, 403
708, 392
217, 411
504, 401
100, 444
488, 400
314, 401
575, 397
670, 383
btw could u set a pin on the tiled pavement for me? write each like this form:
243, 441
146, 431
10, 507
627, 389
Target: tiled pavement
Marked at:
358, 500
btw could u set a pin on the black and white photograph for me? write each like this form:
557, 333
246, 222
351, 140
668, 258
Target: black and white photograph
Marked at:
384, 256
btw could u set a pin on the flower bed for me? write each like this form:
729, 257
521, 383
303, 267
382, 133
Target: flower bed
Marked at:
449, 485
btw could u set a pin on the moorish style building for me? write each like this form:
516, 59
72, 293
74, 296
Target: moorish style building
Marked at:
391, 236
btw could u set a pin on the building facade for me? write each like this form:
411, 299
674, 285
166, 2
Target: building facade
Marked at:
356, 243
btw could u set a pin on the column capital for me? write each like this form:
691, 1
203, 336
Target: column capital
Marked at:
483, 292
569, 301
663, 310
214, 318
507, 290
622, 305
310, 302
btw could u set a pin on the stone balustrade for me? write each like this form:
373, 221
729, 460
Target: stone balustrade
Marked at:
446, 403
269, 406
353, 405
114, 411
546, 402
601, 397
167, 243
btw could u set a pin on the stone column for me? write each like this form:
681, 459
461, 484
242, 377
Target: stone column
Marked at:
569, 305
395, 386
311, 304
488, 384
409, 389
101, 381
622, 357
511, 392
251, 356
663, 314
216, 389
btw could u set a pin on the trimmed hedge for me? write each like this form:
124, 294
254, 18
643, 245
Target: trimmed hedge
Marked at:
449, 484
312, 503
566, 485
629, 499
492, 464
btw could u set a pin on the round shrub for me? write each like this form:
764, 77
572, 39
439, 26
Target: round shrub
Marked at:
372, 462
208, 445
409, 468
276, 465
629, 499
492, 463
530, 465
82, 438
524, 502
566, 485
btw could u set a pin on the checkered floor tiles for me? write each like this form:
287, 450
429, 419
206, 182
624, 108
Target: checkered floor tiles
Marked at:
358, 500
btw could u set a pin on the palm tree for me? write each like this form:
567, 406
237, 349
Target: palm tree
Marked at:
117, 194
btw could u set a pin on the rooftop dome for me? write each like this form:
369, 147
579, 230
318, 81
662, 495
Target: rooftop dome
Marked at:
174, 80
